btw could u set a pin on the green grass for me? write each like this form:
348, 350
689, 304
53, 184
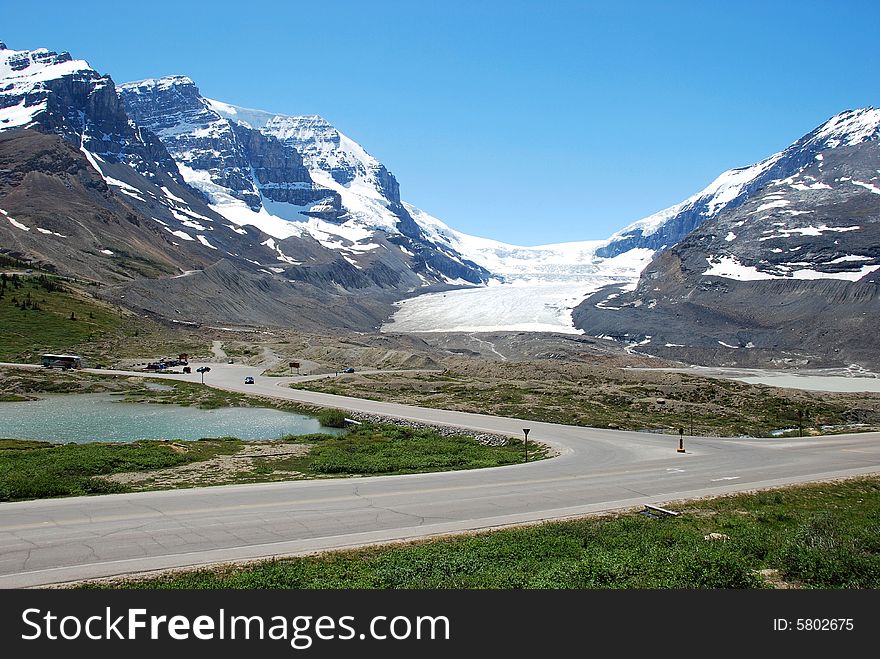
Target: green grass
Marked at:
385, 449
332, 418
816, 536
44, 314
374, 449
37, 470
34, 470
12, 398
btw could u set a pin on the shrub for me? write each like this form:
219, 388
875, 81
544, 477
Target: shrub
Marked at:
332, 418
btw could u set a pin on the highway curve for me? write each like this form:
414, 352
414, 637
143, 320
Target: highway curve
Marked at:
59, 540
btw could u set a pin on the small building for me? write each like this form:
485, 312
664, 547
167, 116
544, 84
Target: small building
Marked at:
62, 361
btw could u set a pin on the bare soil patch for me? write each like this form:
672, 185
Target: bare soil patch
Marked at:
219, 470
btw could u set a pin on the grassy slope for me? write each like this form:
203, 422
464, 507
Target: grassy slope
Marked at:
372, 449
100, 332
45, 324
817, 536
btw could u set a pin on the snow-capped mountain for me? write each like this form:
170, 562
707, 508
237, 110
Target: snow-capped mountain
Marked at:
89, 192
557, 262
793, 268
222, 159
330, 190
243, 214
665, 228
56, 93
370, 193
545, 283
131, 215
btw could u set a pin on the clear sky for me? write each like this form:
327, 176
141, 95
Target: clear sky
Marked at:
525, 121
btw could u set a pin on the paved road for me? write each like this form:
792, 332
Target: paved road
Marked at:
50, 541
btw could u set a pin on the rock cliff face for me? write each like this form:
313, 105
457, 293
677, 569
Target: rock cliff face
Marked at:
220, 157
278, 175
292, 176
791, 274
53, 92
369, 194
325, 149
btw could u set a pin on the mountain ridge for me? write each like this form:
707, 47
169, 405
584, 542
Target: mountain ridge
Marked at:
305, 211
789, 276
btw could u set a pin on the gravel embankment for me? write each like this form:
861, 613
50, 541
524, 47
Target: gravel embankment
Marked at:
487, 439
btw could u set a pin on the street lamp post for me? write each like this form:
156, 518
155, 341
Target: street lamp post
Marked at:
526, 442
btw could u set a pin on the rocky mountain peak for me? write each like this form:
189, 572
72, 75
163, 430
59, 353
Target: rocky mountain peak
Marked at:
333, 158
228, 162
791, 273
31, 62
288, 175
735, 186
848, 128
52, 92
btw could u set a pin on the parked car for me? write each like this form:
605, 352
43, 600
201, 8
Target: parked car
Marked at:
348, 370
249, 380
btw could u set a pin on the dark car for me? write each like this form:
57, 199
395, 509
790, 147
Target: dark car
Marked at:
348, 370
249, 380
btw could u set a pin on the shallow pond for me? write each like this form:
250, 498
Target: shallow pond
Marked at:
82, 418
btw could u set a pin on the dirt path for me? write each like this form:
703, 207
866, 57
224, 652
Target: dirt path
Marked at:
217, 349
268, 358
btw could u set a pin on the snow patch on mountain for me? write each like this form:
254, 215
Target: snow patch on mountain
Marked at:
730, 268
570, 261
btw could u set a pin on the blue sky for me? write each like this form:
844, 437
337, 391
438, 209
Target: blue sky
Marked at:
524, 121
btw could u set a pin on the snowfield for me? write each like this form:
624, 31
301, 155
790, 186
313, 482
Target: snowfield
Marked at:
541, 285
522, 306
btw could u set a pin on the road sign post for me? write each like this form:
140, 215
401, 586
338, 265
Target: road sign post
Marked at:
526, 442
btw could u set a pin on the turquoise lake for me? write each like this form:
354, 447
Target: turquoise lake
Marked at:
82, 418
